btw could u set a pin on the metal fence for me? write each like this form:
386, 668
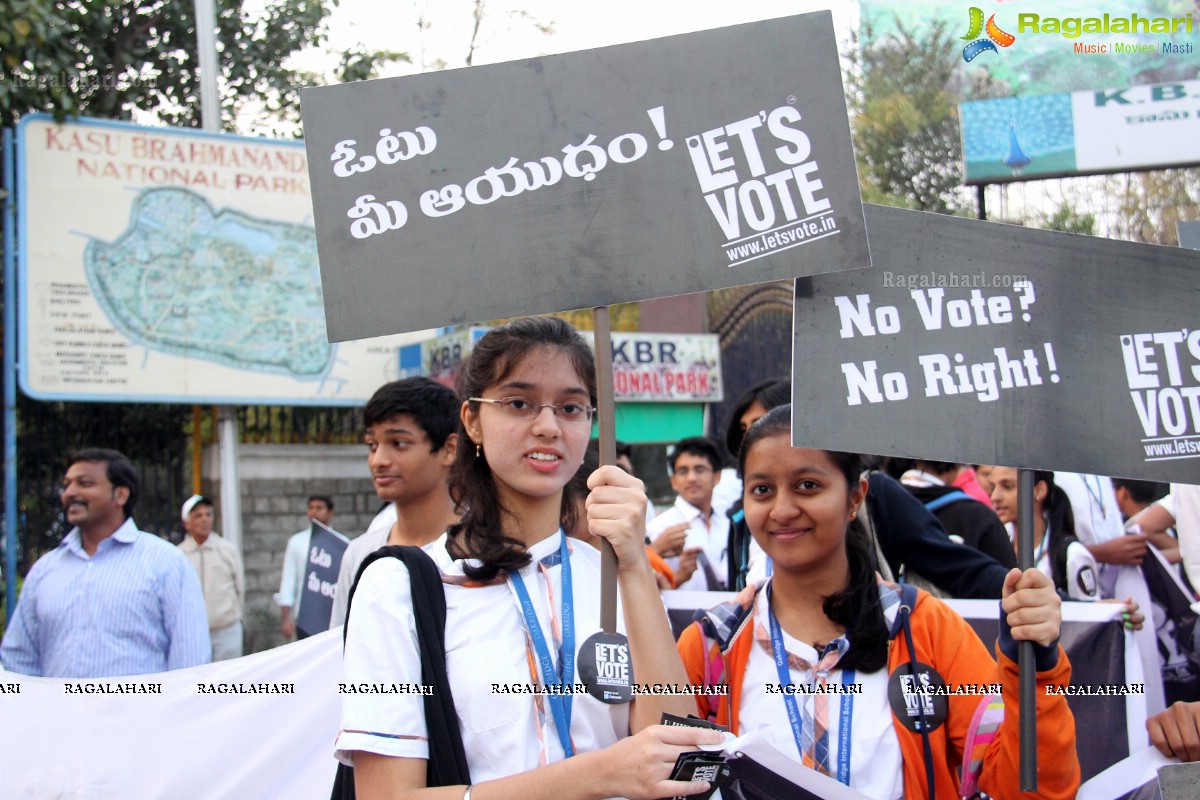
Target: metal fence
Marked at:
158, 438
154, 437
754, 324
300, 424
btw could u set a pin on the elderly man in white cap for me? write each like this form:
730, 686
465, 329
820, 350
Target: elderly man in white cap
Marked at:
222, 577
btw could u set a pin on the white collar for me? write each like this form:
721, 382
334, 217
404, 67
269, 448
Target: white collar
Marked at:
689, 511
920, 479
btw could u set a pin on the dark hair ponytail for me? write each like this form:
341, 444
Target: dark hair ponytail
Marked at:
479, 534
1060, 517
857, 608
1056, 505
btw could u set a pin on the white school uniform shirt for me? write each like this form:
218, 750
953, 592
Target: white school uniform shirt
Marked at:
1183, 503
876, 765
372, 539
485, 644
1078, 557
1094, 504
727, 491
714, 538
1097, 520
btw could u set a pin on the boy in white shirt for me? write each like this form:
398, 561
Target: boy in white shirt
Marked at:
690, 535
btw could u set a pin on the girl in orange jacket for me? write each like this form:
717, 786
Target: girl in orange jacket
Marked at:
880, 686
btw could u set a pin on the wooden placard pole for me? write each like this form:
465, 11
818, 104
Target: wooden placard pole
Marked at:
1027, 686
605, 664
608, 455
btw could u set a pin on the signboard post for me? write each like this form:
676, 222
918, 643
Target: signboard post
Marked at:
10, 387
1027, 675
618, 687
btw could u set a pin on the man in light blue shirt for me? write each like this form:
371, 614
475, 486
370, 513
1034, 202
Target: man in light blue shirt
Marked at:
110, 600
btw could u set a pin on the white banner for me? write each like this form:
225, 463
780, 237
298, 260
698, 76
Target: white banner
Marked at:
181, 734
263, 726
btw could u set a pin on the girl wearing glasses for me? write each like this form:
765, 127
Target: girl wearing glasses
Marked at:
520, 600
877, 685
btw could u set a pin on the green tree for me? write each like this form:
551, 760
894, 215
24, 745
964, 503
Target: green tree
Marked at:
903, 98
1150, 203
37, 60
1065, 218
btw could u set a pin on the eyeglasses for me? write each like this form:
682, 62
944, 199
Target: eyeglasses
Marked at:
520, 408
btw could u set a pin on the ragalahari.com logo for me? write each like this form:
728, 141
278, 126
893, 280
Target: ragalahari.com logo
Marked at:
995, 36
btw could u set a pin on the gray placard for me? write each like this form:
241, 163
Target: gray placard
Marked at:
678, 165
1189, 234
1179, 781
985, 343
324, 558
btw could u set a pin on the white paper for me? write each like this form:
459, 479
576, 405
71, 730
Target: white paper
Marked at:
753, 745
1125, 776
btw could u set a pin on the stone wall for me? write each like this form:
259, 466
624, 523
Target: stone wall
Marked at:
276, 481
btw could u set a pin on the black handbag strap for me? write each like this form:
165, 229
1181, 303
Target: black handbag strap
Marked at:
447, 764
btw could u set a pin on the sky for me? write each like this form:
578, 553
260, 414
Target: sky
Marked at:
510, 28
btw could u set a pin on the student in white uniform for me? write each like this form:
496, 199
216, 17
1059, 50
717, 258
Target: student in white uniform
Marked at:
529, 391
691, 534
822, 660
409, 427
1057, 552
1118, 555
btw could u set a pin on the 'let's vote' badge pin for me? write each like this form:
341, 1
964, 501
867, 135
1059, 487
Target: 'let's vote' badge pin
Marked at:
606, 668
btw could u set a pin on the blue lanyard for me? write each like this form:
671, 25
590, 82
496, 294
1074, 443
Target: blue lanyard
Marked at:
1096, 494
845, 712
845, 701
560, 702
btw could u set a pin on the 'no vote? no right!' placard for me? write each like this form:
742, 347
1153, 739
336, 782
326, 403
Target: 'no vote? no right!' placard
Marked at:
993, 344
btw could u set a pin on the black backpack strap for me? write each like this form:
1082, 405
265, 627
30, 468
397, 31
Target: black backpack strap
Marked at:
447, 764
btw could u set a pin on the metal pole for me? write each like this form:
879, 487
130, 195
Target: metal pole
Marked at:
210, 120
11, 516
1027, 686
981, 201
206, 41
608, 455
231, 488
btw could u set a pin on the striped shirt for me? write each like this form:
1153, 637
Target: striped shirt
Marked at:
133, 608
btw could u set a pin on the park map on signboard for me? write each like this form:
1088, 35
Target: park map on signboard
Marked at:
170, 265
